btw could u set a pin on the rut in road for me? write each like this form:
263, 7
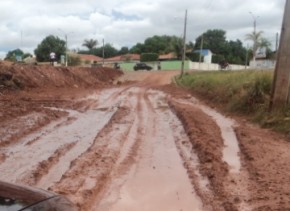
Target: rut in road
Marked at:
123, 150
134, 146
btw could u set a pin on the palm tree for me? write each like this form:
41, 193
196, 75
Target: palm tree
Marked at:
258, 42
264, 43
90, 44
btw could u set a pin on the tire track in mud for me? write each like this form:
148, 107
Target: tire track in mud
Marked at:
127, 156
25, 156
89, 174
228, 183
151, 179
43, 167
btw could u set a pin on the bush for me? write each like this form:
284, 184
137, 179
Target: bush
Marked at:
149, 57
74, 61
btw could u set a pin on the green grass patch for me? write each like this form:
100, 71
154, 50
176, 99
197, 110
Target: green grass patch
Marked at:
243, 92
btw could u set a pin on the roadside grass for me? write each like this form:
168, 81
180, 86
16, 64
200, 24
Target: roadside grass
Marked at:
242, 92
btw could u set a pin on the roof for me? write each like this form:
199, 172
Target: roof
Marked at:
167, 56
90, 57
124, 57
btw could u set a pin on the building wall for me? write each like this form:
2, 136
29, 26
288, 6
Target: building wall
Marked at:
263, 64
208, 58
176, 65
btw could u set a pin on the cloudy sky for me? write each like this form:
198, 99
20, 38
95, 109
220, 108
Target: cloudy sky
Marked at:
25, 23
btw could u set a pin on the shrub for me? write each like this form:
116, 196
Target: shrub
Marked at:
149, 57
74, 61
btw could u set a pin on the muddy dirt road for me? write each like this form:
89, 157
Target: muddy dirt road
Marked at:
145, 146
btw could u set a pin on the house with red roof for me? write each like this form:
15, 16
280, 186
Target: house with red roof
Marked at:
88, 59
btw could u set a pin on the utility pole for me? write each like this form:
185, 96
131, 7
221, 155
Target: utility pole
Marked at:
103, 52
184, 45
66, 50
247, 56
280, 87
255, 37
201, 47
277, 42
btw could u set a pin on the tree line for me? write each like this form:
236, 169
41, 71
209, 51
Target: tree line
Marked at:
215, 40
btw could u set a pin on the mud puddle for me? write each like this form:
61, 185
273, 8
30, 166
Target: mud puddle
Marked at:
25, 158
158, 179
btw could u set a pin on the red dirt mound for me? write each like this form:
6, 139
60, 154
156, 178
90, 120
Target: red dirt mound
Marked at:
17, 76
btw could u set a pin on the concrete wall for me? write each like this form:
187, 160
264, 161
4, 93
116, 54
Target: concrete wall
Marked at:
263, 64
176, 65
208, 67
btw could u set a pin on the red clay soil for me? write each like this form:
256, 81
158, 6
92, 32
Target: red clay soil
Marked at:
140, 145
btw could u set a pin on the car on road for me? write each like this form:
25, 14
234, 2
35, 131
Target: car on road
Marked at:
17, 197
142, 66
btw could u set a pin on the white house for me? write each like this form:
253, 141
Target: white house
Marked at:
207, 55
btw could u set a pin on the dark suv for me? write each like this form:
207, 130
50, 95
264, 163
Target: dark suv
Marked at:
142, 66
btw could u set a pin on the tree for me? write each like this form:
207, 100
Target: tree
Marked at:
236, 52
258, 42
161, 45
149, 57
109, 51
138, 48
11, 55
215, 40
90, 44
176, 46
50, 44
123, 51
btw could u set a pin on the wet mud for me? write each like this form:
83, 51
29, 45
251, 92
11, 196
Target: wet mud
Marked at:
143, 145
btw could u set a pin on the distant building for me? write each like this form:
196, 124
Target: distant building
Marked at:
207, 55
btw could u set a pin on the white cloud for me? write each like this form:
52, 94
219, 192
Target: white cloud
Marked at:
126, 22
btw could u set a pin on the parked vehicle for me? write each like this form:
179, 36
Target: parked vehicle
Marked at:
142, 66
16, 197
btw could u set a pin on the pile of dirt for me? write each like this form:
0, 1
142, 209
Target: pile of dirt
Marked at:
20, 76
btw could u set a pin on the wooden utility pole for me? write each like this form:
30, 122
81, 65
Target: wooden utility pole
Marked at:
103, 51
184, 45
277, 42
280, 87
201, 47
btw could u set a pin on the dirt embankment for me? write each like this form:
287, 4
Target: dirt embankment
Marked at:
14, 76
28, 91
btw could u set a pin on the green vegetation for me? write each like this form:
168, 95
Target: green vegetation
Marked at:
12, 55
50, 44
74, 61
109, 51
90, 44
149, 57
215, 40
241, 92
